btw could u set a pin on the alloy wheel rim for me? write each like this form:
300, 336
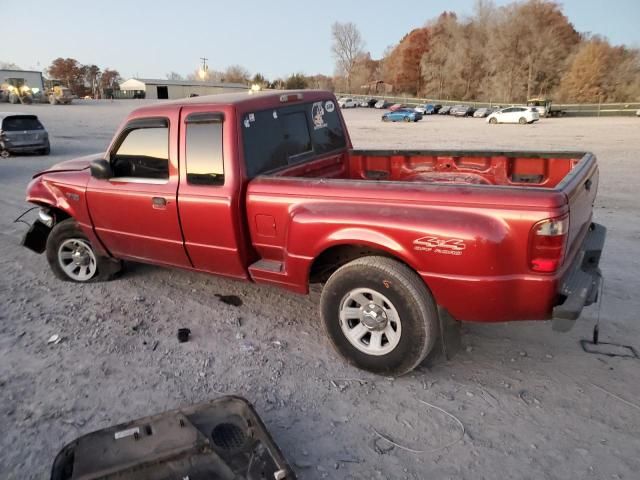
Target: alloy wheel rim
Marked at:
77, 260
370, 322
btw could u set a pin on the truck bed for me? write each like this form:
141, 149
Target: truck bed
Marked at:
545, 170
489, 200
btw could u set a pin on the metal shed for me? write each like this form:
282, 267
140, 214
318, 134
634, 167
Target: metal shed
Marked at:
175, 89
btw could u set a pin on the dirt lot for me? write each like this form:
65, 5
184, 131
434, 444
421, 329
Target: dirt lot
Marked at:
533, 404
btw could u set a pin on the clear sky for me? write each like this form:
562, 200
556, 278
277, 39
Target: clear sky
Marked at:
149, 38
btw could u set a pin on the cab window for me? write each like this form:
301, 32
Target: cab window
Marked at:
278, 137
143, 153
204, 159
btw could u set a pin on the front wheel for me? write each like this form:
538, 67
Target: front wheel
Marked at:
379, 315
493, 121
522, 121
72, 257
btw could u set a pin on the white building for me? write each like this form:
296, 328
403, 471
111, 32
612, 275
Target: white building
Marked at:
174, 89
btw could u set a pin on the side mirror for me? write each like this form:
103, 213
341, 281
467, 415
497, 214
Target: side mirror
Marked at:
101, 169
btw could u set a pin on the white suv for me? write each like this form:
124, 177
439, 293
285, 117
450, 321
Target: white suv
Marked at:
521, 115
347, 103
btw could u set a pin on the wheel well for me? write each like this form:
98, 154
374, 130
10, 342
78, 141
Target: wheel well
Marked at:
335, 257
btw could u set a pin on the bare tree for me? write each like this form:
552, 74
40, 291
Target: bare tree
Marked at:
174, 76
236, 74
9, 66
347, 48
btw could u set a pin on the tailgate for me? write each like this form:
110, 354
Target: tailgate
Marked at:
580, 187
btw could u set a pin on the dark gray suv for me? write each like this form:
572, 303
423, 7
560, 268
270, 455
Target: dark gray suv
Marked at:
22, 133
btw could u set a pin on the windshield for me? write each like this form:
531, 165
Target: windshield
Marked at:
21, 122
278, 137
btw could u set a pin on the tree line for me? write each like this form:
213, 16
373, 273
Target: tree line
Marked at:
505, 54
84, 79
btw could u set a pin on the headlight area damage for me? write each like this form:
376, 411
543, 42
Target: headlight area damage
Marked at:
36, 237
223, 439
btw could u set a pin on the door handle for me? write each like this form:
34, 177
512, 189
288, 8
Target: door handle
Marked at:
159, 202
588, 184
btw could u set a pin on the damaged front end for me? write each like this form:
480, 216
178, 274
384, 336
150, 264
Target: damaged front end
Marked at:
223, 439
36, 237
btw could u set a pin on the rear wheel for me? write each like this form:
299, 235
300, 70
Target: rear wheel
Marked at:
493, 121
379, 315
522, 121
72, 257
46, 150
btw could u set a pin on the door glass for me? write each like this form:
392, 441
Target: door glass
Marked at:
144, 153
204, 153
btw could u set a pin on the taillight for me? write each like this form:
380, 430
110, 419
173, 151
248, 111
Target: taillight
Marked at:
548, 244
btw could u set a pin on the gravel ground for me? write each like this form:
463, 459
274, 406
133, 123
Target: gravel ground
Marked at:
533, 404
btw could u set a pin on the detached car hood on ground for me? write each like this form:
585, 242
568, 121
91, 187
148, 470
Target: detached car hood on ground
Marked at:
75, 165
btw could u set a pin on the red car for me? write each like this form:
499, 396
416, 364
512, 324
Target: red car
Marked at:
397, 106
267, 188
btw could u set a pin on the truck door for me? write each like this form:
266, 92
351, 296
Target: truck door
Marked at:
135, 213
209, 196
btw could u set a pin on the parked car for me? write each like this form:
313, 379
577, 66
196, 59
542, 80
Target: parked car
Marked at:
20, 132
347, 103
482, 112
368, 102
462, 111
402, 115
420, 108
380, 104
444, 110
638, 113
428, 109
521, 115
393, 245
397, 106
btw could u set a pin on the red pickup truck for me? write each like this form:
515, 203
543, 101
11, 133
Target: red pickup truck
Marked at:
267, 188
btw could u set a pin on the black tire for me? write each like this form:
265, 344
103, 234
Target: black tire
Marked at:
46, 150
107, 268
408, 295
493, 121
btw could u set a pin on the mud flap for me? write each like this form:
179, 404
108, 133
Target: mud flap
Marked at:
449, 338
222, 439
36, 238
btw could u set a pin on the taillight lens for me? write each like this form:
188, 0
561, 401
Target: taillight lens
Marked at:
548, 244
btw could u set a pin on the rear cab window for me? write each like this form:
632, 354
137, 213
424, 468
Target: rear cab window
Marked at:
204, 160
21, 122
282, 136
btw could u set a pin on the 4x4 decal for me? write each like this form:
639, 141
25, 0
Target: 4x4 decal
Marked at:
435, 244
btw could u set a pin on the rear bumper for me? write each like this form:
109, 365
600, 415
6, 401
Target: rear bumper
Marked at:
24, 148
580, 286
